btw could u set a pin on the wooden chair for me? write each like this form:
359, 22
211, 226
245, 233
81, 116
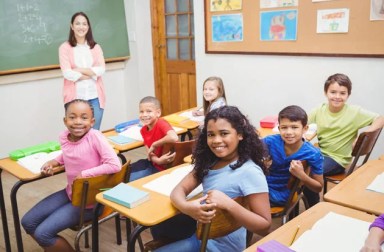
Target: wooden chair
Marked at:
84, 191
291, 208
222, 224
363, 147
182, 150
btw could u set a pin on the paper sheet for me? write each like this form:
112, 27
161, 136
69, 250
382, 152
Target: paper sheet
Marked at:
192, 117
167, 182
35, 161
377, 185
333, 233
134, 132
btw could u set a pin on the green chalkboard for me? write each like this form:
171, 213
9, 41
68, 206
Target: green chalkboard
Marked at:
32, 31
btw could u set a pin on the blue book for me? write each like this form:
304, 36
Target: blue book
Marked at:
123, 126
126, 195
119, 139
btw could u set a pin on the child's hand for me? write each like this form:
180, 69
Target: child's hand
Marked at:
296, 169
219, 198
200, 210
167, 158
197, 113
47, 168
151, 150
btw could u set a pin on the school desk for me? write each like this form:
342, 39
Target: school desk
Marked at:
186, 124
306, 220
157, 209
24, 176
352, 192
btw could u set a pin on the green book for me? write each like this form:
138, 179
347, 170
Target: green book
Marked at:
126, 195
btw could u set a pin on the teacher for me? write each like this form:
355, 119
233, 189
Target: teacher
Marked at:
82, 64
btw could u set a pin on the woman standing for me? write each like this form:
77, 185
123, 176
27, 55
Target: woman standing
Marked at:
82, 64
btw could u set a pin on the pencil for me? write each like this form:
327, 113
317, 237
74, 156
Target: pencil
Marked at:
295, 234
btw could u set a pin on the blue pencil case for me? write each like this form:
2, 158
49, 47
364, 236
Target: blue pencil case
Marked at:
123, 126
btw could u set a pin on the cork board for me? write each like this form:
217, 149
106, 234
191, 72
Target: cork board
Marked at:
364, 38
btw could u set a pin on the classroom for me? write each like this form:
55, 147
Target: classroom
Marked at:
260, 85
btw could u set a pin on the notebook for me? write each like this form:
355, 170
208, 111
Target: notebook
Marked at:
35, 161
120, 139
175, 118
126, 195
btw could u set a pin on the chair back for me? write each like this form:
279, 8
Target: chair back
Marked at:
363, 147
182, 150
84, 190
222, 224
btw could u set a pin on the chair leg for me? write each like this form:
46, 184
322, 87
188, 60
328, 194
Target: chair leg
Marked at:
118, 229
139, 238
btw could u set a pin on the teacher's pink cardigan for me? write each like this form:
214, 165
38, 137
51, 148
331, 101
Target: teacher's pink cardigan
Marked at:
67, 61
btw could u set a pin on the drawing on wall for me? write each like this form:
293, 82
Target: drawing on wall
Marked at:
227, 28
377, 10
278, 3
278, 25
333, 21
226, 5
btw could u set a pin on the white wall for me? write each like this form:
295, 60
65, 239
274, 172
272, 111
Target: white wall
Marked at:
263, 85
32, 111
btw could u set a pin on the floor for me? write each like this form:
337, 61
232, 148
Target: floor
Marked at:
30, 194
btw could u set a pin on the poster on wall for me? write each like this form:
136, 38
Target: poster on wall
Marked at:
278, 3
226, 5
332, 21
377, 10
227, 28
278, 25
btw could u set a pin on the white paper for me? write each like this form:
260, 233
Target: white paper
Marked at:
332, 21
167, 182
377, 185
134, 132
333, 233
35, 161
192, 117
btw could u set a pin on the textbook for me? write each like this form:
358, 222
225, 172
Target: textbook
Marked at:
126, 195
120, 139
35, 161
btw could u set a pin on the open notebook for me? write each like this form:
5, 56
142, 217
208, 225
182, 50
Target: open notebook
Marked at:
35, 161
333, 233
133, 132
167, 182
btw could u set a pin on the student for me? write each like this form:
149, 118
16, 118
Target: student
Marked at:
85, 153
155, 132
286, 151
228, 163
375, 237
82, 64
338, 124
213, 95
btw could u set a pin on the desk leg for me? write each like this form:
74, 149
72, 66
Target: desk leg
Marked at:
95, 228
133, 237
4, 217
16, 219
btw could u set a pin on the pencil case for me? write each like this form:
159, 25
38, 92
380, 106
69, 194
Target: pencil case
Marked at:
273, 246
123, 126
269, 122
44, 147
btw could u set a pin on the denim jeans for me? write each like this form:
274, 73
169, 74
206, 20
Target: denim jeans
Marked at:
141, 169
50, 216
191, 244
97, 111
331, 167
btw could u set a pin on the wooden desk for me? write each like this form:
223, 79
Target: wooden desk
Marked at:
352, 192
24, 176
186, 124
306, 220
188, 159
157, 209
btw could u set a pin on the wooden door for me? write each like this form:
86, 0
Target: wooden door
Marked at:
174, 54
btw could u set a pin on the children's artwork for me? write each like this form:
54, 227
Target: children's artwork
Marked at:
278, 3
226, 5
332, 21
278, 25
377, 10
227, 28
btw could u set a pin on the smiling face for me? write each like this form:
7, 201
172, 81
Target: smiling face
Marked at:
80, 28
223, 139
337, 96
292, 132
79, 120
149, 113
210, 91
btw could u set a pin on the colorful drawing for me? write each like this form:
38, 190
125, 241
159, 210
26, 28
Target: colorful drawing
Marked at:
278, 3
227, 28
278, 25
332, 21
226, 5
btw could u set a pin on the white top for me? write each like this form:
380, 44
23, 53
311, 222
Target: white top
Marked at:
85, 89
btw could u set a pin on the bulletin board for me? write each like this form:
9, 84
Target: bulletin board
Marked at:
364, 38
